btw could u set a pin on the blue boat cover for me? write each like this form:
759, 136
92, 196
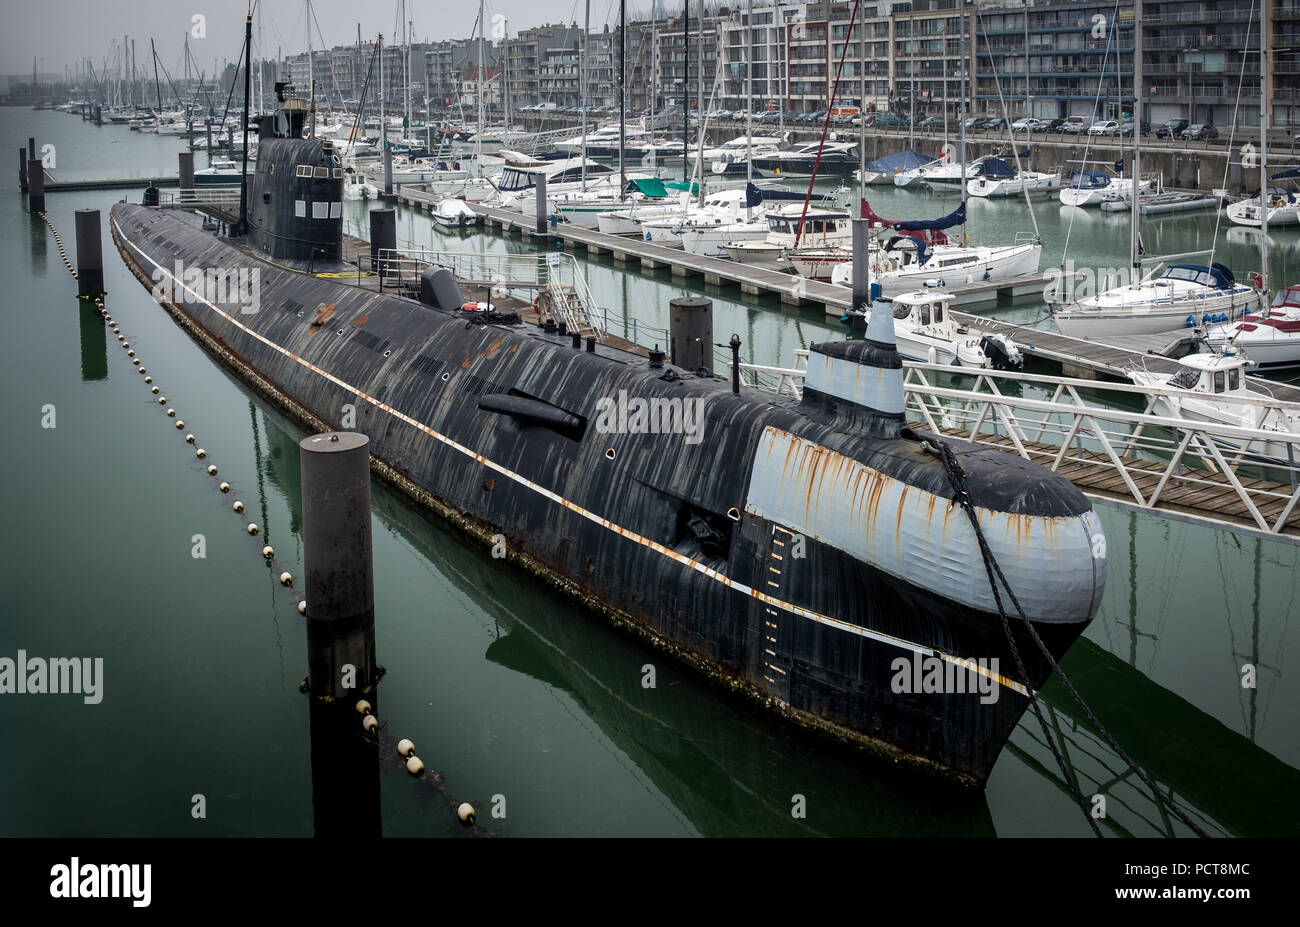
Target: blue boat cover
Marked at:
1291, 173
996, 167
956, 217
905, 160
1089, 180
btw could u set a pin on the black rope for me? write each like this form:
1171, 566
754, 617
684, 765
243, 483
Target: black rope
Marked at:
957, 477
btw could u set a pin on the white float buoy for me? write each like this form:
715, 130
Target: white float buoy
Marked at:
405, 747
171, 413
212, 470
130, 353
465, 811
252, 528
200, 453
238, 506
369, 723
414, 765
180, 424
224, 487
162, 400
286, 578
268, 551
189, 439
363, 707
302, 606
135, 360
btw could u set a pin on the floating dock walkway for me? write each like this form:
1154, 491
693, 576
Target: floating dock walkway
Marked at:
1077, 356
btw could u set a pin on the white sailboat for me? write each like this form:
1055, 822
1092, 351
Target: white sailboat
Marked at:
1183, 295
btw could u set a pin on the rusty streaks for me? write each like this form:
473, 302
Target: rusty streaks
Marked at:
323, 314
361, 320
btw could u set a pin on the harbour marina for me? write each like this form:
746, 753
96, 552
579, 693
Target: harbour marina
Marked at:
540, 647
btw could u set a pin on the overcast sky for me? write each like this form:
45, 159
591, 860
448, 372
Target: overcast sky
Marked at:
64, 31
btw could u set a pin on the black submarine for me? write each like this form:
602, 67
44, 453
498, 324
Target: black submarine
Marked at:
808, 553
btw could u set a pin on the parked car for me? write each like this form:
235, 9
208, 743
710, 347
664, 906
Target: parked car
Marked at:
1076, 125
973, 123
1054, 125
931, 122
890, 121
996, 124
1029, 124
1126, 128
1201, 132
1105, 127
1172, 128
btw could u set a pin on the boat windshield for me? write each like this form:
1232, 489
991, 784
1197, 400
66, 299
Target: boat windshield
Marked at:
1186, 378
902, 311
1193, 274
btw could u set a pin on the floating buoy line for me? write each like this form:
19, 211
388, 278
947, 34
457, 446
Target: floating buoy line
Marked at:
464, 811
251, 528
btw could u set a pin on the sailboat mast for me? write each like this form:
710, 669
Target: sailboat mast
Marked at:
749, 98
686, 90
311, 73
862, 99
622, 96
582, 90
1135, 186
1263, 156
699, 116
478, 134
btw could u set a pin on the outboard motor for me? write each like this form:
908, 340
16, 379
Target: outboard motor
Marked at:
1002, 353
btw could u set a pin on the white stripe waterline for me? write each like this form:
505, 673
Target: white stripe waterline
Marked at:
727, 581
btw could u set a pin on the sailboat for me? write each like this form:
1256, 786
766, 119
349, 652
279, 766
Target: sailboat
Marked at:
1183, 295
1271, 207
1273, 336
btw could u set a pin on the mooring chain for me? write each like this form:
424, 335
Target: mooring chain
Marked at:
957, 477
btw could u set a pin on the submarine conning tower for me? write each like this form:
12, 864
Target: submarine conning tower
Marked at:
295, 209
859, 384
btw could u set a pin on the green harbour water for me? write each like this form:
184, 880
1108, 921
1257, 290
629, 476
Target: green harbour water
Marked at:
507, 688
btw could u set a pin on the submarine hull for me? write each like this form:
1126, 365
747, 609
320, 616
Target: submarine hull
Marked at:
739, 552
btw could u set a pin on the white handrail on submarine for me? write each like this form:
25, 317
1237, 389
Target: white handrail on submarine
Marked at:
555, 273
1080, 427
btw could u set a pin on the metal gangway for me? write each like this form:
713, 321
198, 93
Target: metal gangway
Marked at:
1127, 444
552, 282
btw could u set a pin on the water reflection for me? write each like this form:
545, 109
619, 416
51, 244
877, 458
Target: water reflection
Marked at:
94, 342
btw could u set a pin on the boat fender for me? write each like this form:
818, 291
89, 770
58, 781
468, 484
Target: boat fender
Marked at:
1191, 321
942, 283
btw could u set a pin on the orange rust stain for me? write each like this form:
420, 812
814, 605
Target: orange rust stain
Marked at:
464, 365
362, 320
323, 314
493, 348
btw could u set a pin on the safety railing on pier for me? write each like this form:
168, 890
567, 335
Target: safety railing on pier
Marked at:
1129, 443
552, 282
226, 197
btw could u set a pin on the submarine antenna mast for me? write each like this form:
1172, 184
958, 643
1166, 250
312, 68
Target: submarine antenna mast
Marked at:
240, 228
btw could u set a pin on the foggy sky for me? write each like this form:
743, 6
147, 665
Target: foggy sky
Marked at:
64, 31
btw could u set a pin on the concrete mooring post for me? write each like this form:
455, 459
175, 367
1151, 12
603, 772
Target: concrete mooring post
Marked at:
186, 169
35, 186
690, 333
861, 264
388, 171
90, 259
342, 672
540, 191
31, 148
338, 558
22, 169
